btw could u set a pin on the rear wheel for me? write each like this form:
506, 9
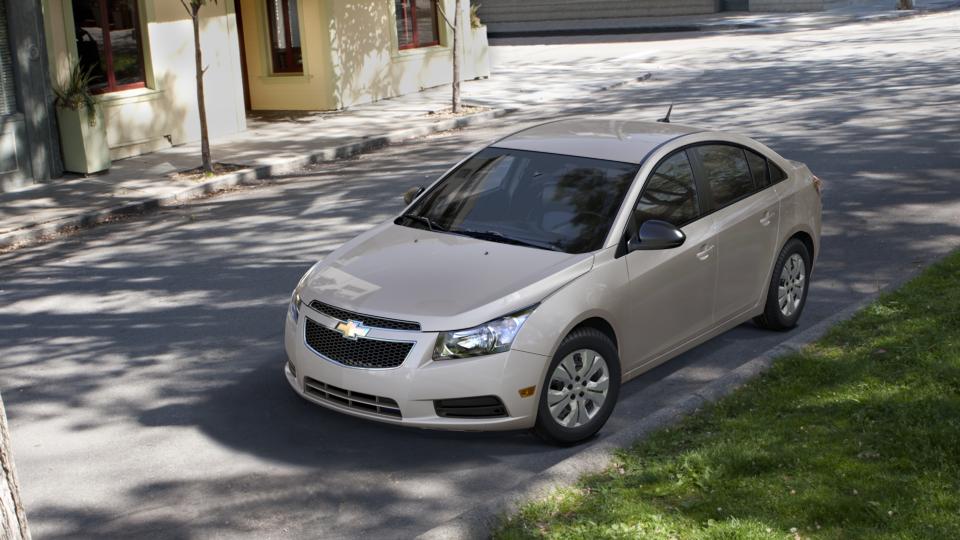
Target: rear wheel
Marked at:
787, 293
581, 388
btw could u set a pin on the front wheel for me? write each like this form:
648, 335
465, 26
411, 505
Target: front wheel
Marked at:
580, 389
787, 293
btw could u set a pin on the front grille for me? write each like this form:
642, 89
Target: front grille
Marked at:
473, 407
361, 353
349, 398
367, 320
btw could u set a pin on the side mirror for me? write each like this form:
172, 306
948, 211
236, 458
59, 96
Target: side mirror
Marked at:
411, 194
656, 234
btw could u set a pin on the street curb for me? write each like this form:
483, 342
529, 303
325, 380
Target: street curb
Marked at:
39, 232
480, 521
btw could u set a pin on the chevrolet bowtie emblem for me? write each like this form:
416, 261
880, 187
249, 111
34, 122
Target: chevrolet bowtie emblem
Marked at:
352, 329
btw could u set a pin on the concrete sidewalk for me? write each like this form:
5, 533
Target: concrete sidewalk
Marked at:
272, 144
279, 142
525, 79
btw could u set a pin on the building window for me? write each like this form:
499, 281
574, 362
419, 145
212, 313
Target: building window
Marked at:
109, 43
285, 52
417, 23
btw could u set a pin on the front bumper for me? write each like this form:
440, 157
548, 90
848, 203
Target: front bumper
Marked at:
416, 383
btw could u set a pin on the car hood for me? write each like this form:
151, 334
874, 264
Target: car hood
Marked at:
443, 281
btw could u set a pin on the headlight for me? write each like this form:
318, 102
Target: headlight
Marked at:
295, 303
493, 337
295, 300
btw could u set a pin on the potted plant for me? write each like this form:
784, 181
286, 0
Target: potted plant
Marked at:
83, 134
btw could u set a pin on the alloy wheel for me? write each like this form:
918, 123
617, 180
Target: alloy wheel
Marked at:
578, 388
792, 283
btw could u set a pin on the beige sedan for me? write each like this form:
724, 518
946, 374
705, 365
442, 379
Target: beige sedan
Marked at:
530, 281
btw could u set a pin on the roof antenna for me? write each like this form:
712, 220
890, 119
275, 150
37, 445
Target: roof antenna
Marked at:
666, 119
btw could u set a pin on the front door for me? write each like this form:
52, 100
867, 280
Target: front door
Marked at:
671, 291
238, 11
15, 166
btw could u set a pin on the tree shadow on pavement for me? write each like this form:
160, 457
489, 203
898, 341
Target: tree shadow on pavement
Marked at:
141, 361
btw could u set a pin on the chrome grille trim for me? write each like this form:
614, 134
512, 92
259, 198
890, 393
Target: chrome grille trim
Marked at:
368, 320
353, 400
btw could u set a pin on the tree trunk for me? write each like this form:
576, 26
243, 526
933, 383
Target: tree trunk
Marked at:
13, 519
456, 57
201, 104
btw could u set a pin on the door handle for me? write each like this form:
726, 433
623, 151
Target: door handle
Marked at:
704, 252
767, 217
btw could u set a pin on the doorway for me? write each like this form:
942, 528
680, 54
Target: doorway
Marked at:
238, 12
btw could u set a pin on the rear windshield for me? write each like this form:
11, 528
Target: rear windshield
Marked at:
548, 201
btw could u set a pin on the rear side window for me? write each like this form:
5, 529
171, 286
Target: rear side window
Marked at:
727, 172
758, 169
670, 194
776, 174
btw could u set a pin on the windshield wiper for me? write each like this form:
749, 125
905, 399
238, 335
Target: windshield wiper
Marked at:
431, 224
495, 236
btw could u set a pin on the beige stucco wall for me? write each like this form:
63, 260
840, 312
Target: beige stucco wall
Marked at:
165, 112
368, 66
309, 91
351, 56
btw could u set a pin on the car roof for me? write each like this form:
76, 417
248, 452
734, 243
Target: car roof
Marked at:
628, 141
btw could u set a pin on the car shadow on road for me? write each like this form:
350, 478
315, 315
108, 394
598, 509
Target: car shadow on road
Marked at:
270, 420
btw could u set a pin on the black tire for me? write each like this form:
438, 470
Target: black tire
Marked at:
547, 428
772, 317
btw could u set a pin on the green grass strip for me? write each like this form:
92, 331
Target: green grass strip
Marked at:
857, 436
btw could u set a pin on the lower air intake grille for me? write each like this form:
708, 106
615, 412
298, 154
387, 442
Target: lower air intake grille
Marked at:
350, 399
474, 407
361, 353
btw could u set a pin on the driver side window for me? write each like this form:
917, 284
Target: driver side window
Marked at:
670, 195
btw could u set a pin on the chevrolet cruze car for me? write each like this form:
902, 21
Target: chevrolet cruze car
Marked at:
523, 287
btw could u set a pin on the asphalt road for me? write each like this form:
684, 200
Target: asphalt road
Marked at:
141, 361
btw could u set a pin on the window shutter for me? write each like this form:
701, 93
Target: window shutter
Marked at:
8, 101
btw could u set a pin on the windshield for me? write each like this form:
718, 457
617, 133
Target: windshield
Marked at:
548, 201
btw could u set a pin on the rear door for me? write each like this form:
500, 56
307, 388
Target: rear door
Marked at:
746, 212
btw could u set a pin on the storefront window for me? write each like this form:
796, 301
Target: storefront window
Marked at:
285, 36
109, 43
417, 23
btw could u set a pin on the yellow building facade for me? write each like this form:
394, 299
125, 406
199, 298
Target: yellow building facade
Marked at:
259, 55
354, 52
